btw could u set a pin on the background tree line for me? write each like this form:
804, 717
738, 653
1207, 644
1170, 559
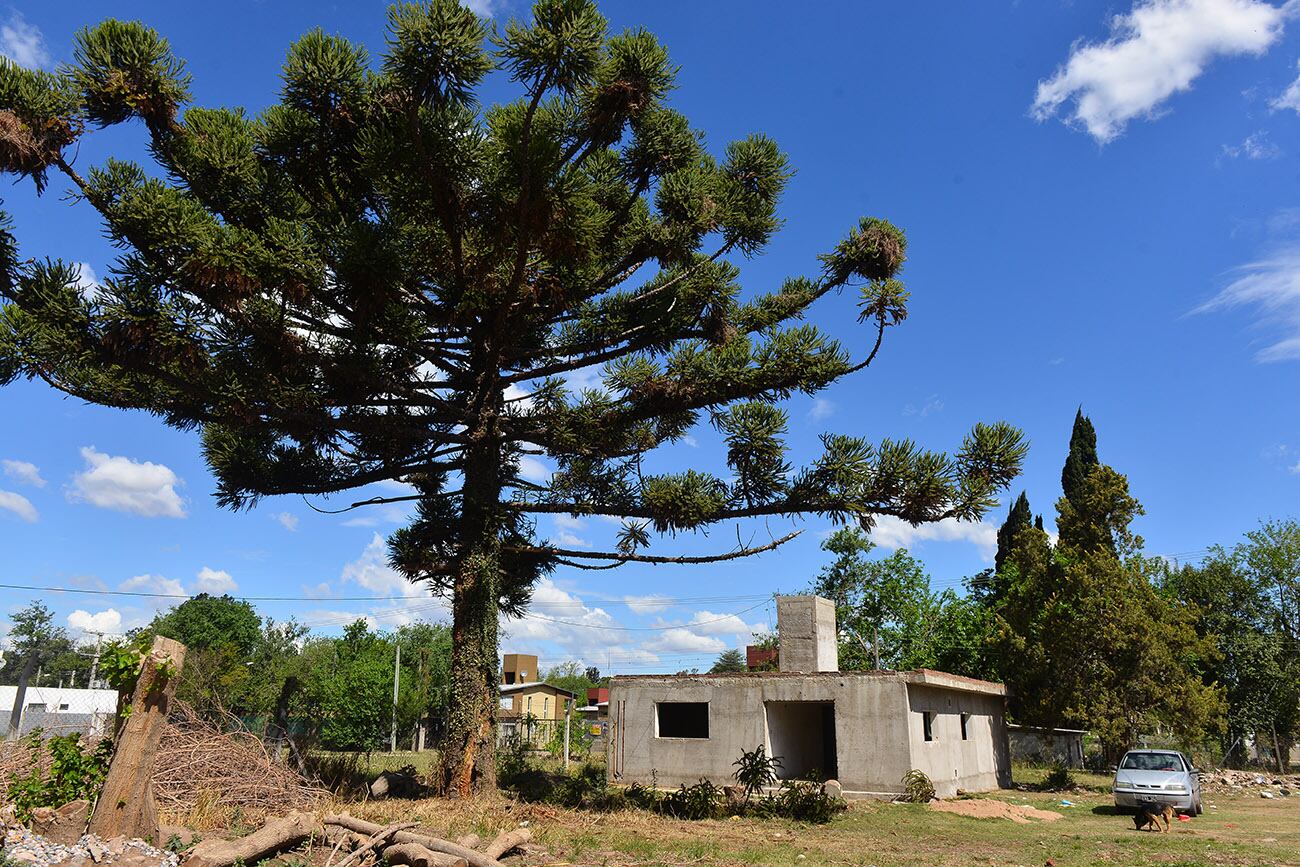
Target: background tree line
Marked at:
333, 692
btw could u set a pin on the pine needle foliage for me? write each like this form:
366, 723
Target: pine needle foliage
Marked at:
378, 278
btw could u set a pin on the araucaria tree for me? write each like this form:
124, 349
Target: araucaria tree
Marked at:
377, 278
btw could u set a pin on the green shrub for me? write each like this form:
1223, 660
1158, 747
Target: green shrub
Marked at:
1058, 777
804, 801
700, 801
73, 773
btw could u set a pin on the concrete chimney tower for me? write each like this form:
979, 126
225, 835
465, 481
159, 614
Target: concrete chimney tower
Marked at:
805, 627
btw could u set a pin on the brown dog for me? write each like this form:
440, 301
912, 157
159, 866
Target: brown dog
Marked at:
1150, 815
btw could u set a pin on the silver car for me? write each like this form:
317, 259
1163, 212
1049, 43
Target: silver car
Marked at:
1162, 776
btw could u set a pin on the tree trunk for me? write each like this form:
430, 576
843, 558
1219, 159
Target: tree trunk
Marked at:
126, 806
468, 763
468, 760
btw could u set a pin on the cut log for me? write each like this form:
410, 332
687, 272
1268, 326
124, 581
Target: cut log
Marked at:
276, 836
474, 859
469, 841
506, 841
378, 838
415, 855
126, 805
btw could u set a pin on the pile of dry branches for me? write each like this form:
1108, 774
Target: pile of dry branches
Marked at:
203, 770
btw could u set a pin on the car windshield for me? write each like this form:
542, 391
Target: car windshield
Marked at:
1151, 762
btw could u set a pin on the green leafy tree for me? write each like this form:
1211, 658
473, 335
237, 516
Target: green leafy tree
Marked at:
1246, 598
729, 661
882, 606
32, 631
426, 676
573, 677
377, 278
1085, 639
205, 622
1081, 458
349, 687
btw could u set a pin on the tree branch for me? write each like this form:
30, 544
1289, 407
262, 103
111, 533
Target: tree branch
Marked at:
570, 554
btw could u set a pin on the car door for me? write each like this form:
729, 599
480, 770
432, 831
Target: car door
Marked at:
1193, 779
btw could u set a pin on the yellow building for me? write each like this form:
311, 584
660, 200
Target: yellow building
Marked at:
529, 708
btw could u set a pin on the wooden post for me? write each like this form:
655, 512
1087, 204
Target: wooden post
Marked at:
126, 805
20, 696
566, 738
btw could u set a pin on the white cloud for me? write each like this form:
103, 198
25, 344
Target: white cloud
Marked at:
561, 617
373, 516
821, 409
565, 539
371, 571
1255, 146
932, 405
19, 505
533, 469
646, 604
24, 473
109, 622
1272, 287
519, 398
682, 640
591, 378
87, 282
890, 532
153, 584
287, 520
1296, 469
1290, 97
1156, 50
214, 582
23, 43
567, 528
481, 8
139, 487
709, 623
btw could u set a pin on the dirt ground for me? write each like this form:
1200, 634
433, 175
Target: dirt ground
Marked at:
1235, 830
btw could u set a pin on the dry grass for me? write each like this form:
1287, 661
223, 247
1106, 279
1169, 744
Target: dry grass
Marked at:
1236, 830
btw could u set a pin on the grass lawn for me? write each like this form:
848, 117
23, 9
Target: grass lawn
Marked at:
1235, 830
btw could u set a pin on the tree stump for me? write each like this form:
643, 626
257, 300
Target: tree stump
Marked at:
126, 805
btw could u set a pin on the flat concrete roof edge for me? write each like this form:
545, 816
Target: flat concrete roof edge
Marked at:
924, 676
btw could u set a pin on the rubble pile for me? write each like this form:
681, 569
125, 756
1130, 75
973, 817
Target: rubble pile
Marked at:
1268, 785
29, 849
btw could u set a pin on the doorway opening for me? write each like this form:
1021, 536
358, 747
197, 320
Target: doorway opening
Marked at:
802, 735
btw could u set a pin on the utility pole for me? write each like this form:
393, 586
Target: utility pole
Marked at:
566, 733
875, 645
94, 663
397, 674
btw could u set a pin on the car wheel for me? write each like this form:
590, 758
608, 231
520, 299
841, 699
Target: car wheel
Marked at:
1199, 808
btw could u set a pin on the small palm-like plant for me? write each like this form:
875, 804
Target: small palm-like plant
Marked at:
756, 770
919, 788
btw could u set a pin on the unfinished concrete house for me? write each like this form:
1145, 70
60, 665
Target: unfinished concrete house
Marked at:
864, 729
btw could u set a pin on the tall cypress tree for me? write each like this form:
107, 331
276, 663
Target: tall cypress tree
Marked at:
379, 279
1081, 458
1019, 517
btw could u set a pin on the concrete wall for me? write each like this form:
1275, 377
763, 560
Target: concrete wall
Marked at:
979, 762
1030, 744
874, 728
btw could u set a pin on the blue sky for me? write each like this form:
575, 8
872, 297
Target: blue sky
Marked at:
1102, 210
